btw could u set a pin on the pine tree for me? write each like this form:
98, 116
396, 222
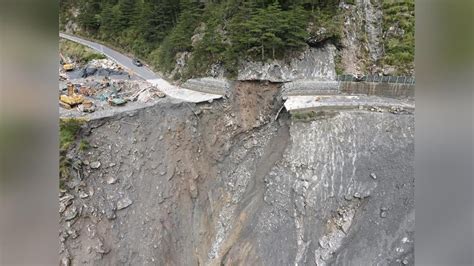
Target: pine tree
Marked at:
107, 20
253, 29
88, 16
294, 24
128, 12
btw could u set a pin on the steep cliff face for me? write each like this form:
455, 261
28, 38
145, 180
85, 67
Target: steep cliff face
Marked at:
226, 184
378, 37
313, 63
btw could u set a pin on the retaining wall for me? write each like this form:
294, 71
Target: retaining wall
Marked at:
384, 86
390, 90
208, 85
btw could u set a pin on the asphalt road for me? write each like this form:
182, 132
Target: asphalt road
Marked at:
145, 73
119, 58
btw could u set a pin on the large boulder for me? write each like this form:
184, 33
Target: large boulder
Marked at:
102, 67
89, 71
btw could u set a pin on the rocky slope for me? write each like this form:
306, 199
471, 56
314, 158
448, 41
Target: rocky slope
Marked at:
371, 28
226, 184
313, 63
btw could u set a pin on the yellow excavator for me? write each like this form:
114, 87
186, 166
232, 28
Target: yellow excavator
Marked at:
67, 66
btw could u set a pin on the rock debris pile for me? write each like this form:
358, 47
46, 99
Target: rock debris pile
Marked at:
224, 183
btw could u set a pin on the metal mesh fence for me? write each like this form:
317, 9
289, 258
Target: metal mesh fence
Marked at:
377, 79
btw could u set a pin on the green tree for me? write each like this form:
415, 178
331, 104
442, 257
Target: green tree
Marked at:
109, 19
88, 15
211, 49
157, 30
270, 29
293, 27
129, 10
179, 39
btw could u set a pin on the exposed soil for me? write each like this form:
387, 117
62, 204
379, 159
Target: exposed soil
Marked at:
225, 184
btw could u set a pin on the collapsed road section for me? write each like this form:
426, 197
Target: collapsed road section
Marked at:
224, 183
315, 95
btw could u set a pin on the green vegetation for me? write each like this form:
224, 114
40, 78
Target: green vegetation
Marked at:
399, 48
304, 116
228, 30
64, 165
332, 21
77, 52
338, 64
84, 145
68, 130
268, 32
179, 39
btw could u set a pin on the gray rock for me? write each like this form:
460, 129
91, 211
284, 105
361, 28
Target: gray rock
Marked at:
95, 165
389, 71
88, 71
64, 202
193, 190
110, 213
318, 37
73, 234
373, 28
314, 63
70, 213
111, 180
373, 175
65, 261
124, 203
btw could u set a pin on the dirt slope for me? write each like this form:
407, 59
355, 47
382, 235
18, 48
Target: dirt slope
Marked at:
225, 184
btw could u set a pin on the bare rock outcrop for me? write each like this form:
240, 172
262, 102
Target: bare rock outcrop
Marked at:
226, 184
313, 63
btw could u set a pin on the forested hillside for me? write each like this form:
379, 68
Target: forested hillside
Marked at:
212, 31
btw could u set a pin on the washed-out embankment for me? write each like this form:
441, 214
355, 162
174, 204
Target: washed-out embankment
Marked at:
224, 183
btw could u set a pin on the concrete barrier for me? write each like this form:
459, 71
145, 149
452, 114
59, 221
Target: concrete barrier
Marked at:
208, 85
310, 87
400, 90
344, 102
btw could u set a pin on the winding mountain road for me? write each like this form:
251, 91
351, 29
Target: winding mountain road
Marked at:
145, 73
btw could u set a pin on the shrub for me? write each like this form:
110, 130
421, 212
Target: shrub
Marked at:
68, 129
83, 145
77, 52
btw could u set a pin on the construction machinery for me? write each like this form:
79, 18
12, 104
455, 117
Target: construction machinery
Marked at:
67, 65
